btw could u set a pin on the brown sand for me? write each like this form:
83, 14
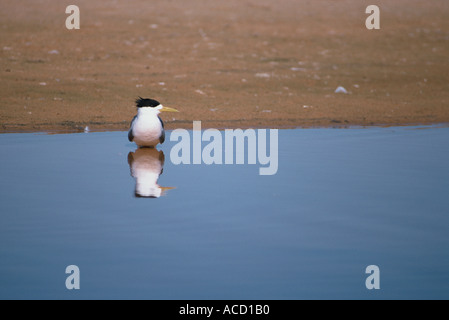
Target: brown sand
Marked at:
233, 63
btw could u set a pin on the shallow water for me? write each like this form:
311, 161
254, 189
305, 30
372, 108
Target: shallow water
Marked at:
342, 199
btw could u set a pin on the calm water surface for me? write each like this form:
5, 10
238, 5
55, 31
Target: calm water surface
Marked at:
342, 199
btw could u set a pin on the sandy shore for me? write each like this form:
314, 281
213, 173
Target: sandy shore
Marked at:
234, 63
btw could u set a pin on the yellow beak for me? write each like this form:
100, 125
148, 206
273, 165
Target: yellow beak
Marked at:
167, 188
165, 109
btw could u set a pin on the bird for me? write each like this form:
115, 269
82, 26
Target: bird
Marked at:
146, 165
147, 128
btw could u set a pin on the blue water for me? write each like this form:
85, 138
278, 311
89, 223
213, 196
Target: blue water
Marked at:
342, 199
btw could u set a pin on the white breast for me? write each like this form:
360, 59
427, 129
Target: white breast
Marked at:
147, 128
146, 166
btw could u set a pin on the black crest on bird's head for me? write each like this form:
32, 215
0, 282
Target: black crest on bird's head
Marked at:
142, 103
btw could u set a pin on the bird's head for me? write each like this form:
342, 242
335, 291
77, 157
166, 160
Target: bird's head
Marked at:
154, 104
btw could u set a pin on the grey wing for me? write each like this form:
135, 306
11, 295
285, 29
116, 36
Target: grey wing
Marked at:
162, 137
130, 162
130, 133
162, 161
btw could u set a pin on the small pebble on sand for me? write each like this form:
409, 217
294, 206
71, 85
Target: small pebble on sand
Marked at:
341, 90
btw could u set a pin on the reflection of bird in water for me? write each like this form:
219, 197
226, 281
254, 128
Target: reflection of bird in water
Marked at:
147, 128
146, 166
